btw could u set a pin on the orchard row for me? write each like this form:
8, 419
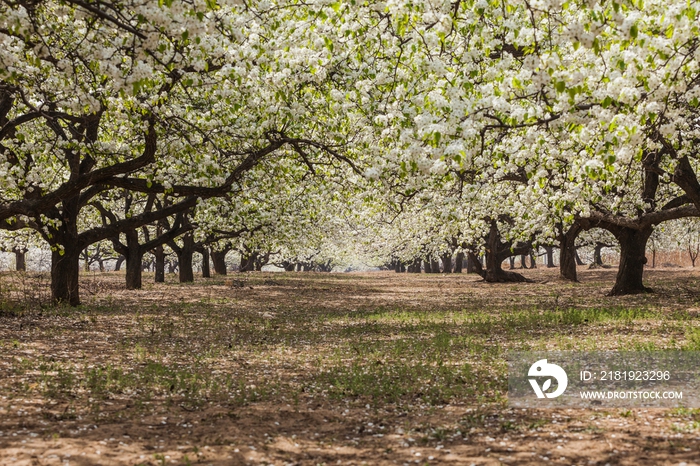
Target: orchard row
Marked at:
331, 132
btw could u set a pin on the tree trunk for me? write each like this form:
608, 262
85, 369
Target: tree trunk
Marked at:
426, 266
65, 257
86, 264
219, 260
633, 245
65, 271
495, 256
20, 260
434, 266
159, 266
533, 260
134, 270
495, 273
186, 274
261, 261
511, 262
206, 272
446, 263
597, 257
248, 262
118, 265
567, 253
459, 262
523, 263
184, 259
134, 261
474, 264
550, 256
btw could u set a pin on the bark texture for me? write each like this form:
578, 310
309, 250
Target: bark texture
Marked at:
630, 273
496, 252
567, 253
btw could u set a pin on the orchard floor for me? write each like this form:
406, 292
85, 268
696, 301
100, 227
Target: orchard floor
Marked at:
302, 368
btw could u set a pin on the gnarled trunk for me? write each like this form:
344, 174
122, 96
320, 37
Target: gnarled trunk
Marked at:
633, 245
495, 274
496, 252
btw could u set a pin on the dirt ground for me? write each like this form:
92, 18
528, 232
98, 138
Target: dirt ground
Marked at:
303, 368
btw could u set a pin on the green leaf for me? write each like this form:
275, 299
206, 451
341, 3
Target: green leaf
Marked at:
560, 86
